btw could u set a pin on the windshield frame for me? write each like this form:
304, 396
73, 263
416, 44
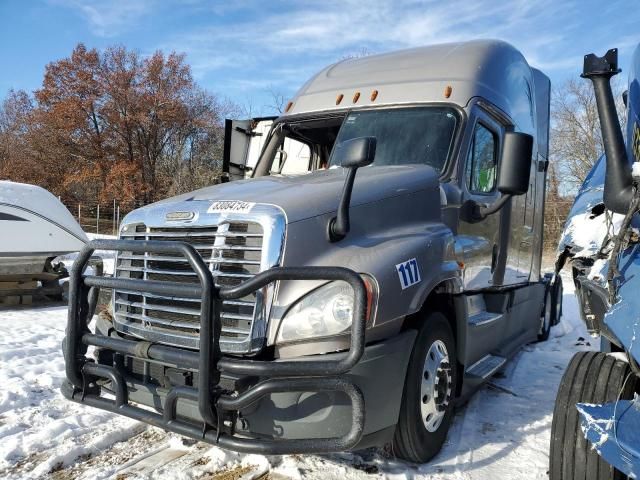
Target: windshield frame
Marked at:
448, 168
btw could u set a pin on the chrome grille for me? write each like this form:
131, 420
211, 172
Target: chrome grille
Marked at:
233, 252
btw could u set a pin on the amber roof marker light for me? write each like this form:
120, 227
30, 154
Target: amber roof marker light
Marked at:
447, 91
374, 95
339, 98
289, 105
356, 97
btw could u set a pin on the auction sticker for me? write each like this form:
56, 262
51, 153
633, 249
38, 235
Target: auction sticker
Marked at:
230, 206
409, 273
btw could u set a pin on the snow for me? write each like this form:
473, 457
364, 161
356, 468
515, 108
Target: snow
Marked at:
503, 431
585, 232
598, 270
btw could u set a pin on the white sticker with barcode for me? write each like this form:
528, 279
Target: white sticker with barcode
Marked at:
230, 206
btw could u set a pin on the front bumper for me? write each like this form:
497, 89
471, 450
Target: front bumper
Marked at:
292, 415
220, 408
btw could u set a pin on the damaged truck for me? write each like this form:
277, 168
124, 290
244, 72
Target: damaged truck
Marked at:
376, 258
596, 422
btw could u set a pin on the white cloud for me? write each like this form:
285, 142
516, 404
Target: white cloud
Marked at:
109, 18
328, 31
318, 33
261, 44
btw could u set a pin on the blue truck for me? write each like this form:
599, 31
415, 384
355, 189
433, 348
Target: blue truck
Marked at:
596, 422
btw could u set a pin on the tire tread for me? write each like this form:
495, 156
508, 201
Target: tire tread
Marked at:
591, 377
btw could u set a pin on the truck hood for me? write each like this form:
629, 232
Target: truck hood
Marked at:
316, 193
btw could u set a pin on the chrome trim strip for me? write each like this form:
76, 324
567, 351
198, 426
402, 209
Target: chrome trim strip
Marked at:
192, 234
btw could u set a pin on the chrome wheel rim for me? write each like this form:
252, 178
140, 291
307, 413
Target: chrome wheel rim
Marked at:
435, 388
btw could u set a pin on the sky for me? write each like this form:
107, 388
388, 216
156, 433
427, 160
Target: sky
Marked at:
249, 50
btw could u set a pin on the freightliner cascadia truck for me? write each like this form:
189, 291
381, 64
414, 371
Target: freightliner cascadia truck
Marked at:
376, 258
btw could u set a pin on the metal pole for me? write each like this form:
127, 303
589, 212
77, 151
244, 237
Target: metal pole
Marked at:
98, 219
118, 219
113, 218
79, 215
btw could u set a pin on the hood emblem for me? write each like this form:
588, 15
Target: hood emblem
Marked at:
178, 216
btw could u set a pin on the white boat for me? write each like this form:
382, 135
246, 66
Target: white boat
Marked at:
35, 227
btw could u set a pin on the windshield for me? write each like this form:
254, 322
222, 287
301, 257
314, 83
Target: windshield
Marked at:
417, 135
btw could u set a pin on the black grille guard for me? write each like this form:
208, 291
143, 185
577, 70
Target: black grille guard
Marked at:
214, 404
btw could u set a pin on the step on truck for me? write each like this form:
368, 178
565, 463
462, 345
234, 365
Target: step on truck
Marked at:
372, 260
596, 421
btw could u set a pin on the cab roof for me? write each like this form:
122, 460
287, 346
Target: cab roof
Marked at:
491, 69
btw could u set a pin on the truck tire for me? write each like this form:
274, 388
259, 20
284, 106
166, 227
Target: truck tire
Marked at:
557, 293
591, 377
427, 399
546, 316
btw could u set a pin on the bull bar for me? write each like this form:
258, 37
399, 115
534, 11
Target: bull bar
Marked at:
215, 404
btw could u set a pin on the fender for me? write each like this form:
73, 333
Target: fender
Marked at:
376, 247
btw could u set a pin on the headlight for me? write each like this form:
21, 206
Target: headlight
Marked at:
326, 311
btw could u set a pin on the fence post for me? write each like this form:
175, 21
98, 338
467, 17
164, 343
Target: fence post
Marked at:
98, 219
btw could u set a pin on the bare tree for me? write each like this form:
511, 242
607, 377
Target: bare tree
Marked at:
363, 52
278, 100
576, 144
576, 139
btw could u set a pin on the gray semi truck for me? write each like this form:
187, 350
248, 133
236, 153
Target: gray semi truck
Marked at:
375, 260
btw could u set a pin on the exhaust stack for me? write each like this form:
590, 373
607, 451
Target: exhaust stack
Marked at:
618, 184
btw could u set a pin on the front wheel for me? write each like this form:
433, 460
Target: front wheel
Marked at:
427, 400
591, 377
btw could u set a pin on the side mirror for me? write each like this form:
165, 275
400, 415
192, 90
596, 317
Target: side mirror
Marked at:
513, 179
351, 154
356, 153
515, 165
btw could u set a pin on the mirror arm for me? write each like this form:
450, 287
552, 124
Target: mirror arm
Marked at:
494, 207
473, 212
339, 226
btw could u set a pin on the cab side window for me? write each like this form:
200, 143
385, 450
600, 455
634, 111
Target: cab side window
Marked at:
482, 165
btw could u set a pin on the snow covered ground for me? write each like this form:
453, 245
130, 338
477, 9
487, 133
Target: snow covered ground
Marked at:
503, 432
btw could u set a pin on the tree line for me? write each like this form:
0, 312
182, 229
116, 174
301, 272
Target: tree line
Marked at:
114, 124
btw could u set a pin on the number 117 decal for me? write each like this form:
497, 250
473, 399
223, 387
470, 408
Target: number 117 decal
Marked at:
409, 273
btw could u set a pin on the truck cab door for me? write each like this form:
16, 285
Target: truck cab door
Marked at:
481, 242
243, 143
